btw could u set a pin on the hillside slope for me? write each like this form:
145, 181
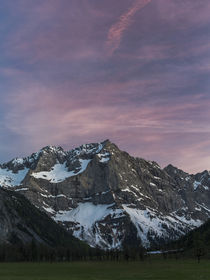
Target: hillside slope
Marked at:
22, 223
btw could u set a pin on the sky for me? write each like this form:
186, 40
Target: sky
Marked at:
132, 71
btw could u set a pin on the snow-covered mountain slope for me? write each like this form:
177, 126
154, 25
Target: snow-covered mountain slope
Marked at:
108, 198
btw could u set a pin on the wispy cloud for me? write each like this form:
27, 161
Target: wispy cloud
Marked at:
116, 31
61, 86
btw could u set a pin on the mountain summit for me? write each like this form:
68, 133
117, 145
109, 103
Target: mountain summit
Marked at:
109, 199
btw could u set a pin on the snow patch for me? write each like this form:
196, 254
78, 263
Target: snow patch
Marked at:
23, 189
59, 172
148, 222
103, 157
17, 161
128, 190
196, 184
86, 216
49, 210
53, 196
11, 179
144, 223
157, 178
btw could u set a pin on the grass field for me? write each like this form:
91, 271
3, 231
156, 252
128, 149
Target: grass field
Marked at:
155, 270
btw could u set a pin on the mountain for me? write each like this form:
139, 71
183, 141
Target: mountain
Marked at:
194, 243
108, 198
22, 223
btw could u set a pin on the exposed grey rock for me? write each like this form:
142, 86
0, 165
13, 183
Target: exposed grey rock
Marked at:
107, 198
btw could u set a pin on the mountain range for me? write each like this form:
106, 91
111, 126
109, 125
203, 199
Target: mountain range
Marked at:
101, 195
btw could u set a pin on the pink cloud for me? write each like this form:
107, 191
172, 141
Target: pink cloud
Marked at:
151, 97
41, 117
46, 32
116, 31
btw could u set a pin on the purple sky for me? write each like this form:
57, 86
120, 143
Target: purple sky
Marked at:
79, 71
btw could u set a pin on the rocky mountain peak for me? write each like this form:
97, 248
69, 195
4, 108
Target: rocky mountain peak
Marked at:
52, 149
174, 171
106, 197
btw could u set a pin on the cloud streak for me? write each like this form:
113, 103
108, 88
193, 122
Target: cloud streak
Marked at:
116, 31
64, 82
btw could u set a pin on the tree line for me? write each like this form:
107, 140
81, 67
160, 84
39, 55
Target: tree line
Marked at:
35, 252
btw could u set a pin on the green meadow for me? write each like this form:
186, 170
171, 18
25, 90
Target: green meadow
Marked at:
153, 270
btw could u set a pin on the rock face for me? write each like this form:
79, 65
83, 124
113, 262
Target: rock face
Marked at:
21, 222
108, 198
